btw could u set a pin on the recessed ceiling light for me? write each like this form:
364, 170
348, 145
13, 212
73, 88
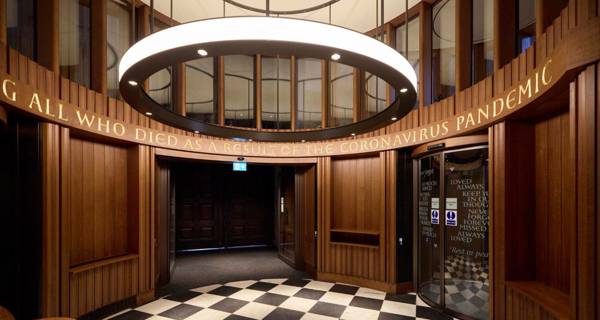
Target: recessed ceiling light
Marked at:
335, 57
133, 83
202, 52
302, 140
148, 113
196, 131
394, 118
353, 134
403, 90
250, 140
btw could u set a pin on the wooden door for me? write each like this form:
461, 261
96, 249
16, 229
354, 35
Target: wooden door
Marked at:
247, 206
199, 222
306, 209
287, 216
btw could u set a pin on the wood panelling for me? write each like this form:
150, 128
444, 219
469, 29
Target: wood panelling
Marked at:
101, 284
163, 227
98, 201
356, 190
553, 209
352, 199
585, 106
532, 300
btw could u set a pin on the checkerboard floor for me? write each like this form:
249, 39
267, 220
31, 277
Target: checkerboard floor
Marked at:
288, 299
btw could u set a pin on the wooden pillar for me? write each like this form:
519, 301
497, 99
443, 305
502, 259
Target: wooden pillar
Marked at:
424, 55
98, 46
258, 91
3, 23
463, 35
357, 94
48, 35
324, 93
545, 13
390, 41
221, 90
51, 262
504, 33
293, 93
143, 28
179, 89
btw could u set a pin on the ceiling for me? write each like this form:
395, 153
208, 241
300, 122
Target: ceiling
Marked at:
358, 15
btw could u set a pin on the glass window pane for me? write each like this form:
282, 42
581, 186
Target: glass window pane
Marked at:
466, 232
375, 95
239, 91
443, 54
160, 83
526, 27
20, 26
276, 90
118, 36
200, 103
309, 93
341, 86
413, 47
75, 41
483, 39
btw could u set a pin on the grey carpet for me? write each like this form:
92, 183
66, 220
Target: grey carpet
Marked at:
193, 270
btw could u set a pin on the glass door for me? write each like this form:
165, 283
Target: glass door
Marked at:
460, 217
429, 252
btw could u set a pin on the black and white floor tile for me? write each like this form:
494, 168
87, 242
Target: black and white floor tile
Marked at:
286, 299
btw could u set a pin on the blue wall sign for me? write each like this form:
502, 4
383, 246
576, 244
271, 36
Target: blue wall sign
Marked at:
451, 218
435, 216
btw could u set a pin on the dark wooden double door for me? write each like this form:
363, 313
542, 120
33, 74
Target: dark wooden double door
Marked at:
217, 207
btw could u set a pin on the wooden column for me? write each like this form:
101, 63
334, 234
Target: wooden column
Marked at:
143, 27
293, 93
3, 36
463, 36
51, 262
179, 89
424, 55
221, 90
504, 33
48, 35
98, 46
324, 93
258, 91
357, 94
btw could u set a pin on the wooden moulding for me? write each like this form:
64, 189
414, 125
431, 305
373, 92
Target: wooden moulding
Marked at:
102, 263
361, 238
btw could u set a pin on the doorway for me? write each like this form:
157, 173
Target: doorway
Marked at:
234, 225
452, 229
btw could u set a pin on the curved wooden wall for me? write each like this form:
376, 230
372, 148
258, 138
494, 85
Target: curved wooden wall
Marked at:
75, 286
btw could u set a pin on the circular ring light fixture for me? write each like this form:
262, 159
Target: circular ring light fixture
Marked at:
268, 36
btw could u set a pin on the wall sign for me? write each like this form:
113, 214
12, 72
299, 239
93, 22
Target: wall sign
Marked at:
451, 218
435, 216
22, 96
435, 203
452, 203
